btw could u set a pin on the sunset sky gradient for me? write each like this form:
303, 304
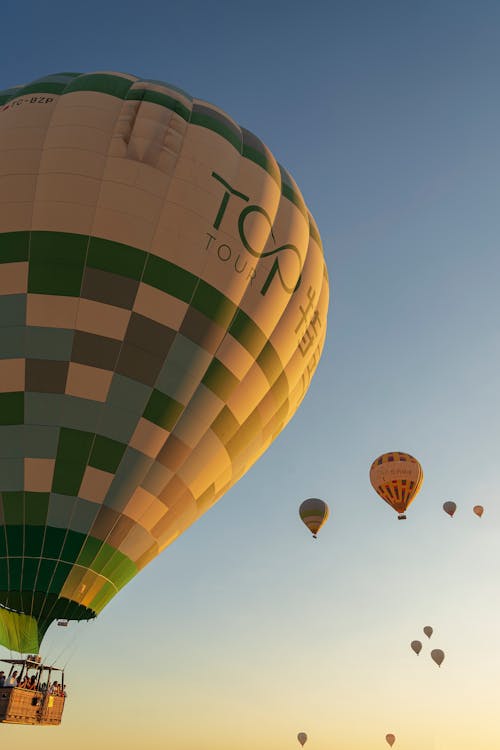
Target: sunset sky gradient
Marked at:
246, 631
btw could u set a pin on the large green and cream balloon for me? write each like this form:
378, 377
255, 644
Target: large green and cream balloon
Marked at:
163, 304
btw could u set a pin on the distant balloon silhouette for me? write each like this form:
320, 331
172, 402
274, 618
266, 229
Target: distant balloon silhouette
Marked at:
416, 646
450, 507
428, 631
478, 510
302, 738
438, 656
314, 513
397, 478
390, 739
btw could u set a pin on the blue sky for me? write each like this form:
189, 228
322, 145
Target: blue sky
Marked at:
387, 115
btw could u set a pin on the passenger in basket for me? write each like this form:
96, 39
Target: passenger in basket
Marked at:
11, 681
2, 678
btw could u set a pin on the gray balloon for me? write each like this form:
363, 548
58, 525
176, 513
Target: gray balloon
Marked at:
438, 656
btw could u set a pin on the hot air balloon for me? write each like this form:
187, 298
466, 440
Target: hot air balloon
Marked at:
302, 738
163, 307
478, 510
416, 646
397, 477
450, 507
314, 513
438, 656
390, 739
428, 631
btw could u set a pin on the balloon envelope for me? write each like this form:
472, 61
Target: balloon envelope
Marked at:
390, 739
478, 510
428, 631
397, 478
314, 513
450, 507
438, 656
416, 646
302, 738
163, 303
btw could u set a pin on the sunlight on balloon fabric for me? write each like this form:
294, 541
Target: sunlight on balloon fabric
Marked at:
163, 304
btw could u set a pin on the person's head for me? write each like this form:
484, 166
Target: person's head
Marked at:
14, 674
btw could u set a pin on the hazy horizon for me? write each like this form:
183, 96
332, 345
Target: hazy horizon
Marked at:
245, 631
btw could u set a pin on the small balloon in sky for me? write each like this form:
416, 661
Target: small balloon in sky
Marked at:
397, 478
314, 513
478, 510
302, 738
416, 646
438, 656
428, 631
450, 507
390, 739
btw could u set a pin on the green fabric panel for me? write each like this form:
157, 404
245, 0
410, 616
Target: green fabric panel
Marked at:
220, 380
13, 508
163, 100
56, 263
72, 457
103, 83
14, 247
34, 536
61, 573
288, 192
124, 572
3, 544
116, 258
225, 425
260, 158
18, 632
270, 363
72, 546
12, 408
104, 555
106, 454
169, 278
314, 232
45, 573
41, 87
89, 551
163, 410
53, 543
247, 333
15, 573
103, 597
74, 445
4, 573
68, 477
211, 123
36, 507
280, 389
30, 571
216, 306
15, 540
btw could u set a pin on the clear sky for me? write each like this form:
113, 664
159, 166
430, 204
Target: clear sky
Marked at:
246, 631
